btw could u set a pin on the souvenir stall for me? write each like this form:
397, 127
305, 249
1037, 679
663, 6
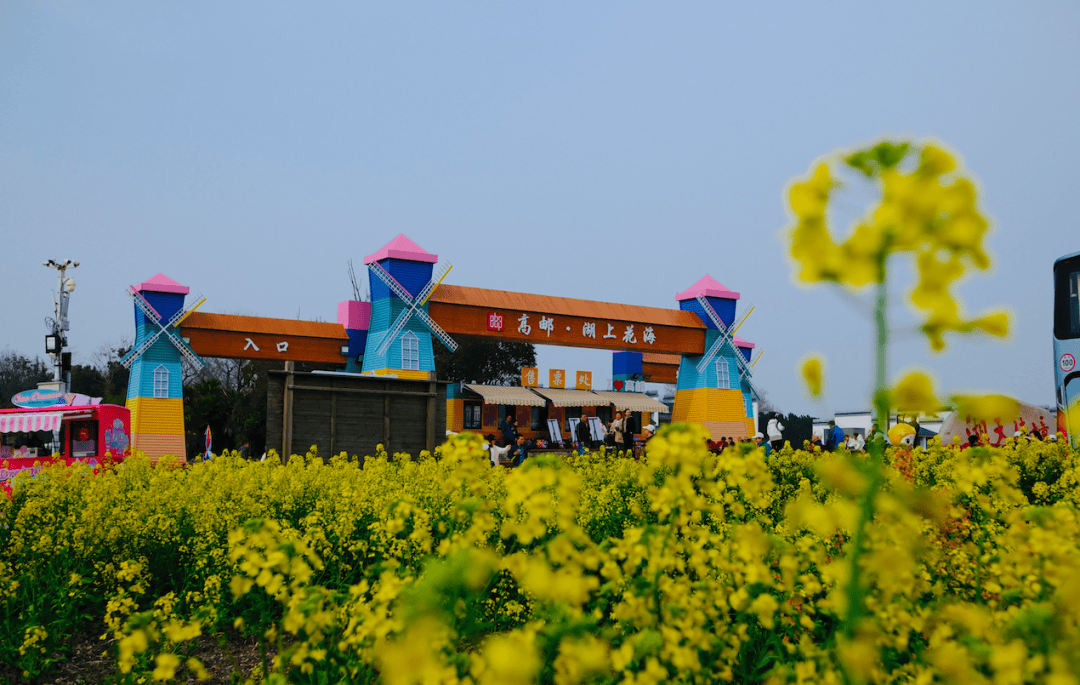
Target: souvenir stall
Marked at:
481, 409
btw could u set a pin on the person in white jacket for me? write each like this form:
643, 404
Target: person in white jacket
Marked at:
497, 453
775, 432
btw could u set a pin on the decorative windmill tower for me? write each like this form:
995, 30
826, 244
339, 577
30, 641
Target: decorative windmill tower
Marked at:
714, 389
155, 387
399, 334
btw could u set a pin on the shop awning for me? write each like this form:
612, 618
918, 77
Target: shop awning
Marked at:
507, 394
634, 401
30, 421
572, 398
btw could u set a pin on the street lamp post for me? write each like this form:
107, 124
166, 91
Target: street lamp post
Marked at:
56, 341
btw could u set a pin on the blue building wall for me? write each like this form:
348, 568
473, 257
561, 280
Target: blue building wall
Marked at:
724, 308
166, 304
626, 364
392, 359
412, 276
688, 373
161, 353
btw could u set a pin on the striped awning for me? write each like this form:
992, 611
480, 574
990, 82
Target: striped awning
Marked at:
572, 398
634, 401
29, 422
507, 394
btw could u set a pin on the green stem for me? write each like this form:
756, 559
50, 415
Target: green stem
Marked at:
881, 398
854, 590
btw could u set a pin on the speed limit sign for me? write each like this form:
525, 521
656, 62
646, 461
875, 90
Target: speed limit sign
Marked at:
1067, 362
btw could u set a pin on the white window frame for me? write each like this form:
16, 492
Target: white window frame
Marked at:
161, 382
723, 379
410, 352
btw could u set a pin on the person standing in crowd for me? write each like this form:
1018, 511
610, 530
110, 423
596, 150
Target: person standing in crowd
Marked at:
519, 453
759, 440
858, 443
582, 434
510, 432
617, 432
498, 454
650, 431
775, 431
834, 437
875, 431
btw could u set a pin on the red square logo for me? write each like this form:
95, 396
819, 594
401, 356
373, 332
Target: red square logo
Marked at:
495, 321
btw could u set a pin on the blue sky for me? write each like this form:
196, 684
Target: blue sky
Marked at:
607, 151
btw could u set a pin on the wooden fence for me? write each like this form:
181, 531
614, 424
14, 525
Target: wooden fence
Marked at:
345, 412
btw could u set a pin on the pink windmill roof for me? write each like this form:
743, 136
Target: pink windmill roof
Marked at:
709, 287
739, 342
402, 248
162, 284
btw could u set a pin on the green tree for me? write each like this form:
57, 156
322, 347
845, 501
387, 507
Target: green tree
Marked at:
18, 373
229, 396
481, 360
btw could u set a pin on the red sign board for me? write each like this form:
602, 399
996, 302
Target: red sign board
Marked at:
495, 321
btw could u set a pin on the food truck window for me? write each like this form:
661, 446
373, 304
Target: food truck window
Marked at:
472, 415
82, 438
34, 444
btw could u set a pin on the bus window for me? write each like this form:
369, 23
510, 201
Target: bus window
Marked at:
1067, 300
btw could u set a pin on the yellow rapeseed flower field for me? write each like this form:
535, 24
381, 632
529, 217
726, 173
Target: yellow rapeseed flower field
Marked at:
685, 567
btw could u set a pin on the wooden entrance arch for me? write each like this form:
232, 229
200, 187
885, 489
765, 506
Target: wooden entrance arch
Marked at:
254, 337
565, 321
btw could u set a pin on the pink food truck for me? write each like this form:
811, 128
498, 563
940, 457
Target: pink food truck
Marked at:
88, 434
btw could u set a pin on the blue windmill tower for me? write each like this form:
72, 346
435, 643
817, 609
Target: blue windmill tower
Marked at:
714, 389
155, 386
400, 329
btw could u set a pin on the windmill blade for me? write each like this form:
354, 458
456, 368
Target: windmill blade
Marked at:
710, 354
435, 328
137, 352
711, 313
144, 306
753, 390
735, 328
151, 314
402, 319
757, 358
185, 312
741, 361
390, 282
432, 284
185, 351
725, 336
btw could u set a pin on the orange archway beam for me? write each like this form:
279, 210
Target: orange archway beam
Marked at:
660, 368
256, 337
545, 320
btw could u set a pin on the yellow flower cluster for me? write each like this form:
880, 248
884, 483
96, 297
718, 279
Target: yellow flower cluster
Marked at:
688, 567
927, 207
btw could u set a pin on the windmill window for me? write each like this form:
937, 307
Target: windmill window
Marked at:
161, 382
410, 352
722, 379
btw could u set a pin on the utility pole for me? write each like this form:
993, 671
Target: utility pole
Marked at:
56, 344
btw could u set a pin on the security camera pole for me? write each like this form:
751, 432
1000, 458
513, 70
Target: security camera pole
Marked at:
56, 341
